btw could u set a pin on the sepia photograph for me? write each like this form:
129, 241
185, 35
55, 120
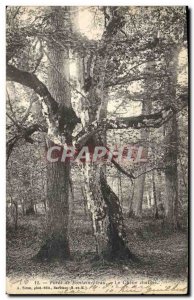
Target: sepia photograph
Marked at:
97, 150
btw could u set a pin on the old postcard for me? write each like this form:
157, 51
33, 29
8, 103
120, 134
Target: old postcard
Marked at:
97, 150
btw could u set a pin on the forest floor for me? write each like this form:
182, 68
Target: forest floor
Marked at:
161, 254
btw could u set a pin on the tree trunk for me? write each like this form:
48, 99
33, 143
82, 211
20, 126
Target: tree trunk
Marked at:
136, 209
171, 142
131, 200
117, 239
171, 175
84, 200
107, 217
103, 204
154, 196
97, 206
56, 245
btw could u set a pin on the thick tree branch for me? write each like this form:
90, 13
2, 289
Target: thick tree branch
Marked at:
31, 80
115, 23
58, 118
154, 120
128, 78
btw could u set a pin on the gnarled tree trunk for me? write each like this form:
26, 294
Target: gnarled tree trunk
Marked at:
107, 216
117, 239
104, 205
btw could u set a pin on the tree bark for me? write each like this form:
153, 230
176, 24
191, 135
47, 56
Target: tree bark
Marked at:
154, 196
106, 211
131, 195
136, 209
107, 219
117, 239
171, 175
171, 142
97, 206
56, 245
